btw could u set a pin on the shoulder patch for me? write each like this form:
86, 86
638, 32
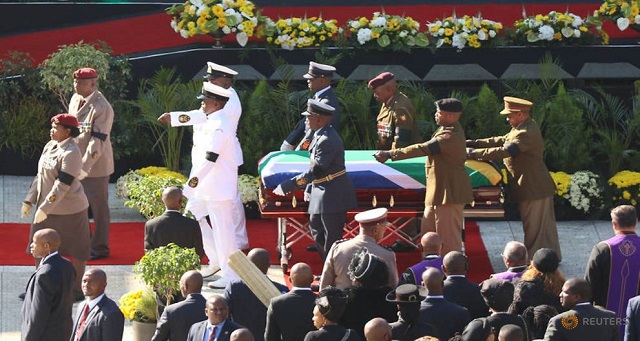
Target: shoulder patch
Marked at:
94, 155
193, 182
52, 198
184, 118
446, 136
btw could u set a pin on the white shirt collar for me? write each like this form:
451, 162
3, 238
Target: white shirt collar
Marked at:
94, 302
320, 92
48, 256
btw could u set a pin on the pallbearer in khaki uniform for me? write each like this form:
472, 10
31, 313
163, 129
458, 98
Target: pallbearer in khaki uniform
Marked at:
448, 183
95, 115
528, 178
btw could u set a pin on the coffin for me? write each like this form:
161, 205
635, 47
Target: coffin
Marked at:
398, 186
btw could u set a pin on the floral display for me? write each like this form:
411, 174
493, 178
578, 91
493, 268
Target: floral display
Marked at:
625, 186
216, 18
584, 193
463, 31
625, 13
248, 186
562, 181
384, 31
556, 29
139, 305
296, 32
143, 188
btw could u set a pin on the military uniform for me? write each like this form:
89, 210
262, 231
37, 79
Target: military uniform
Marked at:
95, 115
57, 192
529, 181
448, 183
397, 126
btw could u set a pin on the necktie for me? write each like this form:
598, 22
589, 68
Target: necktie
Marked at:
81, 103
83, 320
212, 335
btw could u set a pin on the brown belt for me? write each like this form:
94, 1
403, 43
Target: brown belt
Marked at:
330, 177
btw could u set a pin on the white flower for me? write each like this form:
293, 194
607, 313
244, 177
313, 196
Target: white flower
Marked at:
226, 29
196, 3
354, 24
174, 26
636, 20
546, 32
622, 23
184, 34
492, 33
201, 9
458, 41
364, 35
567, 32
242, 38
440, 42
482, 35
577, 33
577, 21
379, 22
441, 31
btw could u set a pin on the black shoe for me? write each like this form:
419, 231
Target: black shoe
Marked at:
21, 296
401, 247
96, 257
78, 296
312, 248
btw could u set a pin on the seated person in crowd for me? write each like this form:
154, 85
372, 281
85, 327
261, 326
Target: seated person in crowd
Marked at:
448, 317
515, 258
408, 327
458, 289
366, 299
431, 246
540, 284
377, 329
172, 226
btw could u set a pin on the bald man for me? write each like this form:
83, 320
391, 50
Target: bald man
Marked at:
289, 316
516, 258
242, 334
177, 318
98, 318
460, 290
240, 297
431, 247
172, 226
47, 308
377, 329
447, 316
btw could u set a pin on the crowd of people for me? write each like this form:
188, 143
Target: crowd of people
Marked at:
360, 295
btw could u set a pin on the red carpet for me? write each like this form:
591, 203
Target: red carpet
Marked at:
127, 247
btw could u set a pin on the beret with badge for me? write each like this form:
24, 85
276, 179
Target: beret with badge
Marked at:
216, 70
65, 119
318, 107
380, 79
514, 104
210, 90
319, 70
407, 294
85, 73
449, 104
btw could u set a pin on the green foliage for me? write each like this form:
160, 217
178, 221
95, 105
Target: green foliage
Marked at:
481, 118
57, 70
357, 112
423, 101
162, 268
143, 189
164, 92
130, 136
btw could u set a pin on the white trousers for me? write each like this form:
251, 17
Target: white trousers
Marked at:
240, 223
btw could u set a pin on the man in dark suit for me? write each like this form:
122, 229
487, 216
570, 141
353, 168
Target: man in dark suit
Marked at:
172, 226
46, 312
448, 317
632, 327
289, 316
584, 321
99, 318
328, 188
458, 289
217, 322
177, 318
244, 306
318, 79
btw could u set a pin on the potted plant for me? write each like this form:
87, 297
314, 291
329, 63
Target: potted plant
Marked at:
139, 307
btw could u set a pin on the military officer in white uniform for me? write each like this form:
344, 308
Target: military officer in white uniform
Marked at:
213, 181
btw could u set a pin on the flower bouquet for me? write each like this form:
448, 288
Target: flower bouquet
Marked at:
139, 305
384, 31
625, 187
295, 32
458, 32
580, 190
556, 29
216, 18
625, 13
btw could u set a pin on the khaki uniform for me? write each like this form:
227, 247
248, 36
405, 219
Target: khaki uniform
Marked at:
448, 183
96, 118
334, 271
397, 126
529, 181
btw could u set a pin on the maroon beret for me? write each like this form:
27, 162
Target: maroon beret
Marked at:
380, 80
65, 120
85, 73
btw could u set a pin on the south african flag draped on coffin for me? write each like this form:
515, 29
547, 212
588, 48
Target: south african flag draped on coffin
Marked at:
367, 173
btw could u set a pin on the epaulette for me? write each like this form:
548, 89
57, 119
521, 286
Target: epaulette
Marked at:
341, 240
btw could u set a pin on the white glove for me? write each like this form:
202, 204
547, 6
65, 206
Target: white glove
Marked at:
82, 175
286, 146
26, 209
279, 191
40, 216
307, 196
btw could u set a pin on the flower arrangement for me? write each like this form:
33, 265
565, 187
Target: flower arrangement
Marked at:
295, 32
581, 190
625, 13
625, 186
139, 305
248, 186
143, 188
216, 18
384, 31
465, 31
555, 29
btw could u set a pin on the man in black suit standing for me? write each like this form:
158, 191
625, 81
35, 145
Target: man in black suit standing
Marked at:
217, 326
177, 318
244, 306
172, 226
289, 316
460, 290
583, 321
46, 312
99, 318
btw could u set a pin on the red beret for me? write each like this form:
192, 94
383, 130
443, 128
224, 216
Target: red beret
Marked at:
85, 73
65, 120
380, 80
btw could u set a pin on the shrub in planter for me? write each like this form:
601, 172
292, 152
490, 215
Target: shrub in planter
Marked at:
143, 189
139, 305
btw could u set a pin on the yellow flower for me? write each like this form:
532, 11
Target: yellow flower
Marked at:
217, 10
222, 22
448, 32
626, 195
